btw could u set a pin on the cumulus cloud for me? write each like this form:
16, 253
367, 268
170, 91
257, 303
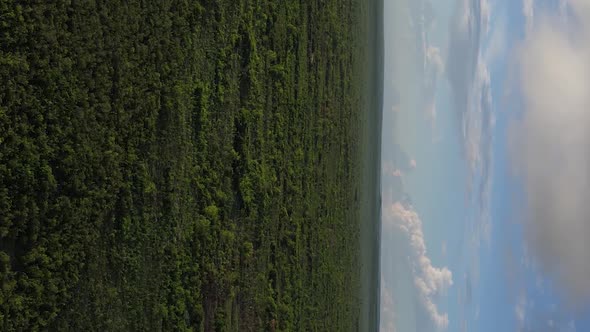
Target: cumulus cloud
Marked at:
401, 161
434, 59
550, 147
429, 281
389, 169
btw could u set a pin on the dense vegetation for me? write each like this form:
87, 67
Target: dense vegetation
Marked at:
179, 165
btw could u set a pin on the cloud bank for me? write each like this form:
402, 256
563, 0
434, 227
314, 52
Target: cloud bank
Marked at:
469, 78
428, 280
467, 72
551, 147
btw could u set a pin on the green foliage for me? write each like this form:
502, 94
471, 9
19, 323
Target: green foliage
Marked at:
179, 165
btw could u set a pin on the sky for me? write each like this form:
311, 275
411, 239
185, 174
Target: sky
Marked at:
486, 166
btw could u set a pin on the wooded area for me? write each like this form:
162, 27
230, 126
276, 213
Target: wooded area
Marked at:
179, 165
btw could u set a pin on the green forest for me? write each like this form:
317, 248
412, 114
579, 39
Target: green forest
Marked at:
180, 165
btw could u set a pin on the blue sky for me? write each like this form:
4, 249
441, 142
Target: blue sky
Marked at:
487, 104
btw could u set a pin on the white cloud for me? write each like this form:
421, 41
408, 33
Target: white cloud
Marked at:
431, 115
434, 59
434, 66
423, 17
550, 147
520, 311
528, 13
478, 119
470, 80
388, 316
485, 15
497, 44
428, 280
388, 168
468, 75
